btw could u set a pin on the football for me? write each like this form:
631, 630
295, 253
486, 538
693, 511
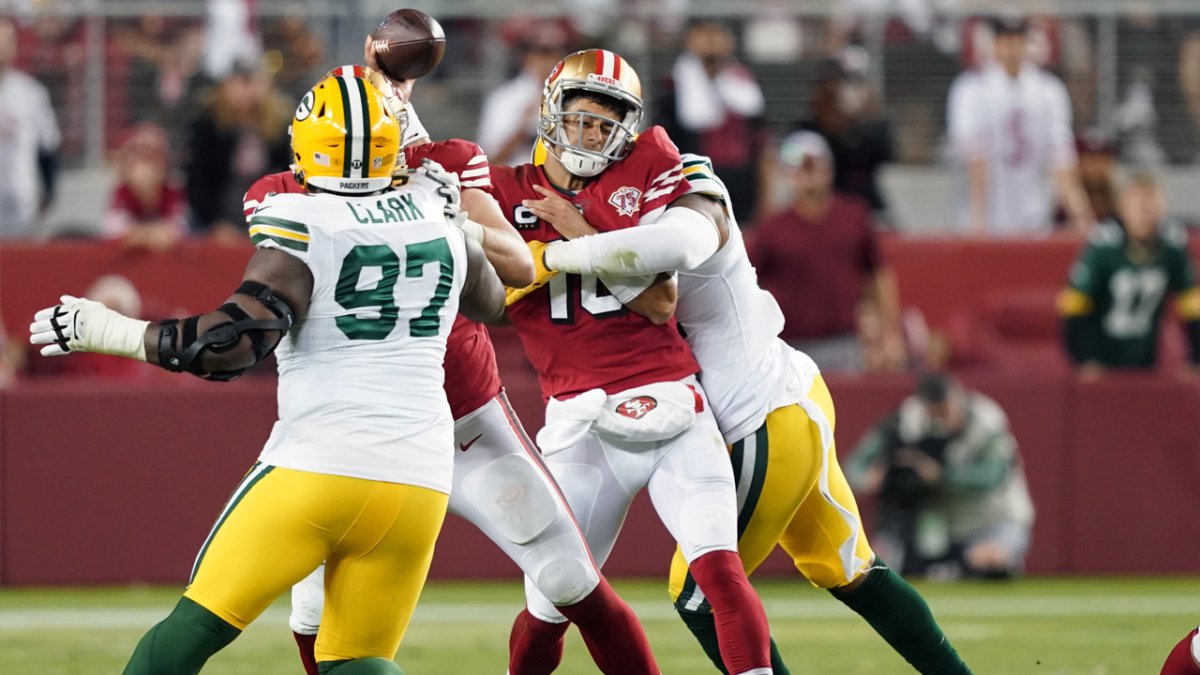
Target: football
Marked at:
408, 44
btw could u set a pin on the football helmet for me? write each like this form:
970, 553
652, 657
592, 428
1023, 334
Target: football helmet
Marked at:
345, 138
597, 71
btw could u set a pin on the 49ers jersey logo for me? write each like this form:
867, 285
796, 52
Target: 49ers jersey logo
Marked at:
627, 200
636, 408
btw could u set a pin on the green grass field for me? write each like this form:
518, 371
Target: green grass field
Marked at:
1039, 626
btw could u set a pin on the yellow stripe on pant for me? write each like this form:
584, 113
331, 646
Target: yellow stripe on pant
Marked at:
376, 537
779, 478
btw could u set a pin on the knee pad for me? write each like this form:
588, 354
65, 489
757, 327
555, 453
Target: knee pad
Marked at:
565, 581
707, 524
518, 499
308, 600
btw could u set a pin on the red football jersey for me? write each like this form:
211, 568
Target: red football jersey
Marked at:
577, 335
471, 375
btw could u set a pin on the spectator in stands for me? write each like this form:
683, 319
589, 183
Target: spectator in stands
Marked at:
240, 134
846, 110
1113, 304
820, 258
509, 117
1010, 128
164, 56
231, 37
295, 51
713, 106
148, 209
953, 499
1097, 175
29, 142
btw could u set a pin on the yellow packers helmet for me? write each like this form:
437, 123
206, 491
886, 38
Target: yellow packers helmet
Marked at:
598, 72
345, 138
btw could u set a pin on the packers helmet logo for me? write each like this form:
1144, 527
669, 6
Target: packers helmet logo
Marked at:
637, 407
627, 200
306, 107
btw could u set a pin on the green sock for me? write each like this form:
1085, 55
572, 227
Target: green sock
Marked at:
181, 643
372, 665
899, 614
703, 625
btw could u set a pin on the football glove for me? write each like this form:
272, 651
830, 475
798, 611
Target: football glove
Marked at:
82, 325
448, 188
541, 275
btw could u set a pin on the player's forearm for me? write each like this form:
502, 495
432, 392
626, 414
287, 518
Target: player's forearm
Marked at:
656, 303
504, 247
681, 240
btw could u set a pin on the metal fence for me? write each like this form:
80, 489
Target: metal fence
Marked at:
111, 63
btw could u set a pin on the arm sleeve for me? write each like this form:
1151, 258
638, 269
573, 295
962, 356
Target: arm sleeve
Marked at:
627, 289
680, 240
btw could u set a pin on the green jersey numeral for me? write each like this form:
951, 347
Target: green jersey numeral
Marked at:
380, 297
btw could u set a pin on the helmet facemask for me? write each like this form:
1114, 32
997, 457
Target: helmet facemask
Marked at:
556, 120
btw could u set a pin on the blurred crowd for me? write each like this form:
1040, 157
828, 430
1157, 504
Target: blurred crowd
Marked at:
195, 108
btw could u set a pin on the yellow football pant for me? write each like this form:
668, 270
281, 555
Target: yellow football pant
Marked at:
376, 537
791, 492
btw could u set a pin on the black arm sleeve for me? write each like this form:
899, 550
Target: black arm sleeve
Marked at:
1082, 337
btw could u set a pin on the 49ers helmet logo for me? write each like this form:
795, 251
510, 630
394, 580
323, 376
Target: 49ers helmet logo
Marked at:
627, 200
636, 408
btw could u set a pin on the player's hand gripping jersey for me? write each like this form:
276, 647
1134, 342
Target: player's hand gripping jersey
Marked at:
387, 272
577, 334
471, 375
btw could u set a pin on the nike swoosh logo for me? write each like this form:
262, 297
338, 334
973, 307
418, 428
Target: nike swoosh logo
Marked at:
465, 446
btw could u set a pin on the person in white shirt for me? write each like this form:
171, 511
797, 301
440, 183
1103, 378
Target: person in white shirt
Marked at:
29, 140
1010, 127
509, 118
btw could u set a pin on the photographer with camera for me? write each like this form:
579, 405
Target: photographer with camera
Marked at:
952, 496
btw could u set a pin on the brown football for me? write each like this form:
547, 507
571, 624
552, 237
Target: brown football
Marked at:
408, 43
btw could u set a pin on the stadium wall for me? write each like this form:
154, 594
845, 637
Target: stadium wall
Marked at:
116, 481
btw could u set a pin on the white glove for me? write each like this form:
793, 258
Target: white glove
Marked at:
82, 325
448, 186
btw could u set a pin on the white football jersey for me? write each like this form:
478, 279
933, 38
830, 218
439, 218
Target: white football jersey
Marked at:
733, 326
360, 377
1022, 128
